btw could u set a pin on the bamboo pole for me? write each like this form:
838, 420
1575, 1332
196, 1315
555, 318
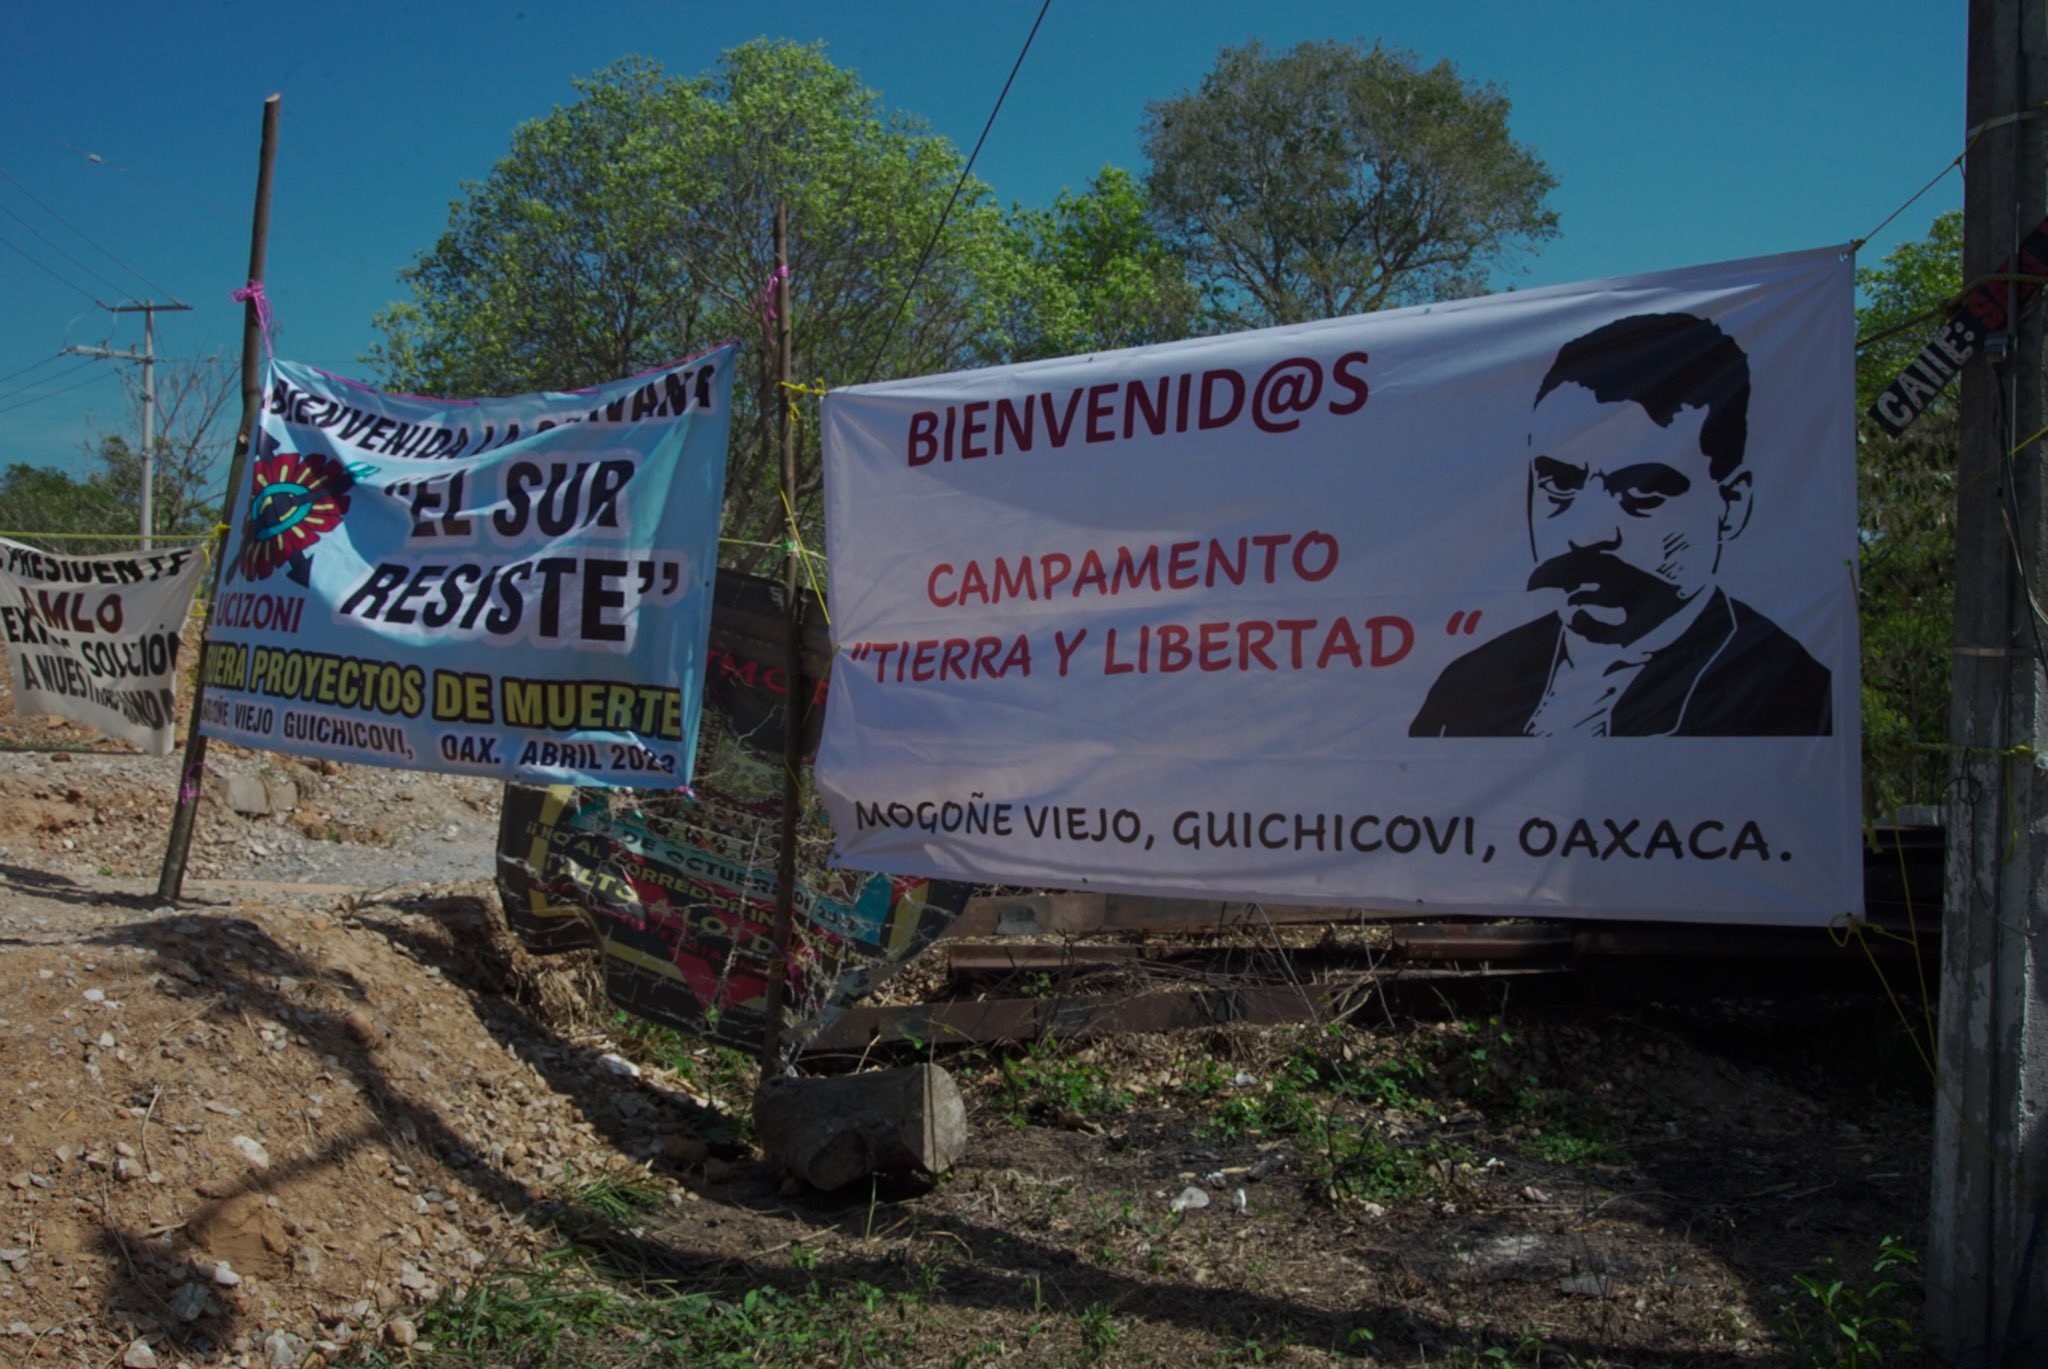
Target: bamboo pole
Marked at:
793, 660
171, 882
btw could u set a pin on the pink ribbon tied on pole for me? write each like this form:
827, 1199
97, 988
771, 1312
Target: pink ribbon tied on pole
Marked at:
252, 294
775, 278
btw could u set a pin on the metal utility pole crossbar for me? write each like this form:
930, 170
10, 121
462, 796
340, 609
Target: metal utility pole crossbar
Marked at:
147, 356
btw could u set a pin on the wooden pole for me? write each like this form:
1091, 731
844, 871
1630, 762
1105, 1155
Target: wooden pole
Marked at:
1987, 1255
792, 675
171, 881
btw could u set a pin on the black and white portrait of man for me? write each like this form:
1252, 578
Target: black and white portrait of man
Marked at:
1637, 489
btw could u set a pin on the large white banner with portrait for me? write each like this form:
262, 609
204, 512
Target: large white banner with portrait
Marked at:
1539, 604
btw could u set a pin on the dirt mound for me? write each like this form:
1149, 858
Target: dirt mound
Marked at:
325, 1112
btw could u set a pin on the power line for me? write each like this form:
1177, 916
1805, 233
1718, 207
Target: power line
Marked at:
50, 394
58, 250
82, 234
24, 389
48, 272
924, 257
30, 367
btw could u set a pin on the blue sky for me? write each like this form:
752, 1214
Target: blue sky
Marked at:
1679, 134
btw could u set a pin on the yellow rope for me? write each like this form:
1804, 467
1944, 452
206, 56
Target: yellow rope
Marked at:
796, 544
1993, 467
112, 536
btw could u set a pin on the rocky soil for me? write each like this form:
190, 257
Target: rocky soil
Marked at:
308, 1115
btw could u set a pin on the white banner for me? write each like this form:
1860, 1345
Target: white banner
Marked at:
1537, 604
95, 638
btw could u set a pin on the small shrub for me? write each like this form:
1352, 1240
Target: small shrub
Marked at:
1833, 1323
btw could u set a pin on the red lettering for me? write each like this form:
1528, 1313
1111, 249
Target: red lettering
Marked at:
1099, 408
1012, 585
1342, 374
1013, 422
972, 427
1057, 428
923, 446
1139, 400
953, 658
1252, 639
1173, 648
1340, 641
1091, 573
1210, 418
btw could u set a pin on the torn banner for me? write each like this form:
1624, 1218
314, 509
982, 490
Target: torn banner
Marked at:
679, 891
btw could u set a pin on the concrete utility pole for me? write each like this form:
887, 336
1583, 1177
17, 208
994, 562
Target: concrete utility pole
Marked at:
1987, 1257
147, 356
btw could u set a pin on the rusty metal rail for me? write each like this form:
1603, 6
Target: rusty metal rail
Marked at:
1411, 964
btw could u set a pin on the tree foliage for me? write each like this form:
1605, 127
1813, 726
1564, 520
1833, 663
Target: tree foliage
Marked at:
49, 509
1906, 492
636, 226
1333, 179
193, 447
1092, 274
101, 511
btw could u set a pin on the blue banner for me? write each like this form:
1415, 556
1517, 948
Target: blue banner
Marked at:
518, 588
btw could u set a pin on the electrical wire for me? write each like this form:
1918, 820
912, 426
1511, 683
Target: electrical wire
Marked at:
83, 236
33, 365
4, 242
49, 394
924, 257
28, 388
60, 251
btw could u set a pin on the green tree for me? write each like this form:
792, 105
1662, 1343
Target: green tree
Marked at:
1334, 179
636, 226
1092, 274
1906, 490
193, 447
50, 509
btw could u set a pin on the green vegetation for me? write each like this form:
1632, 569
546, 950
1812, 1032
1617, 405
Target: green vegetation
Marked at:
564, 1311
1316, 1100
1047, 1080
1337, 179
1367, 1128
617, 1197
1838, 1322
1099, 1331
1906, 491
190, 463
635, 225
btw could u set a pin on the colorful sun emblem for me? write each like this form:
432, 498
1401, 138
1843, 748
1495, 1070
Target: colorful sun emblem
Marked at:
298, 499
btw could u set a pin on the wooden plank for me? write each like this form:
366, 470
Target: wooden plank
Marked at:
986, 1021
1027, 1019
1072, 914
1627, 940
1037, 957
1902, 869
1491, 942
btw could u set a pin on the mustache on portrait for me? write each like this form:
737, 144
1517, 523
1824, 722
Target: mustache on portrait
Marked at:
1607, 578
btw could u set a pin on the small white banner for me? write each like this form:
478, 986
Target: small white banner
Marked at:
1537, 604
95, 638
